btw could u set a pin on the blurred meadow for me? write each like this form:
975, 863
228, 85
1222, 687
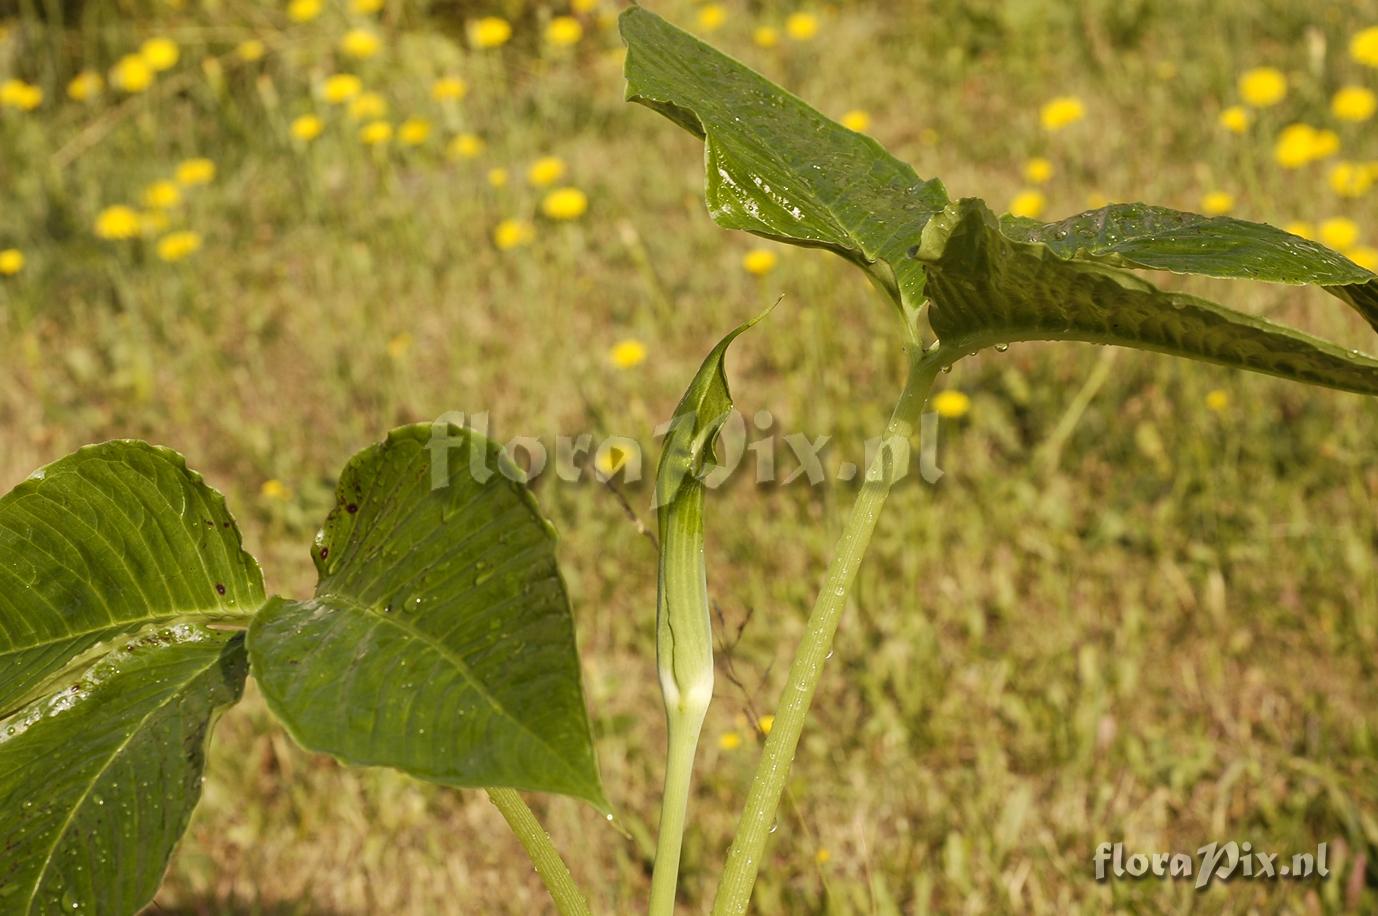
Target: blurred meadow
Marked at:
1140, 605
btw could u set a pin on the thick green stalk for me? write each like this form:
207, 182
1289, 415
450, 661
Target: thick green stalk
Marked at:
763, 799
569, 901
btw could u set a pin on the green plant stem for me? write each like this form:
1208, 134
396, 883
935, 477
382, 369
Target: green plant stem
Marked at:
763, 799
674, 803
569, 900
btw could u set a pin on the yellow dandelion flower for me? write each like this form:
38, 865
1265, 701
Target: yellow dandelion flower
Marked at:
160, 54
341, 87
303, 10
1295, 146
449, 89
489, 32
1060, 112
856, 120
11, 262
1235, 119
951, 404
1262, 87
360, 44
822, 856
712, 16
1028, 203
274, 490
583, 6
608, 460
1217, 400
766, 36
1217, 203
1339, 233
546, 171
84, 85
565, 203
1350, 179
162, 195
759, 261
177, 245
414, 132
730, 741
801, 26
767, 722
368, 105
1301, 229
627, 354
1354, 103
564, 31
365, 7
307, 127
497, 177
375, 133
1364, 256
1038, 170
199, 170
465, 146
1363, 47
250, 50
117, 222
19, 94
513, 233
400, 345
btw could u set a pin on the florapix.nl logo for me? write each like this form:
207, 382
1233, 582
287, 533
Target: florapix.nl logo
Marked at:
756, 448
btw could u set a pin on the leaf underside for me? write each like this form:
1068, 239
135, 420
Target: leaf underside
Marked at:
778, 168
986, 288
440, 639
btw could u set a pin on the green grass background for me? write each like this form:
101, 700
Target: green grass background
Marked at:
1166, 636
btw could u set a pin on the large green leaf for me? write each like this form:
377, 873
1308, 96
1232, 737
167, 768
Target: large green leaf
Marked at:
1135, 235
101, 543
440, 639
777, 167
987, 288
98, 780
780, 169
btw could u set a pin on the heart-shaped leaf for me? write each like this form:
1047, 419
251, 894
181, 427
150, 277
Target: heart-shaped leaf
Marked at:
987, 288
101, 543
440, 639
98, 780
775, 166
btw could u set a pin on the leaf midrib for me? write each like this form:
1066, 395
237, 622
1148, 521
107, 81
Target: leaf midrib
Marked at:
432, 642
170, 697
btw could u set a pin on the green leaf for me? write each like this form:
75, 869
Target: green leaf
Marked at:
987, 288
1136, 235
101, 543
775, 166
97, 781
778, 168
440, 639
